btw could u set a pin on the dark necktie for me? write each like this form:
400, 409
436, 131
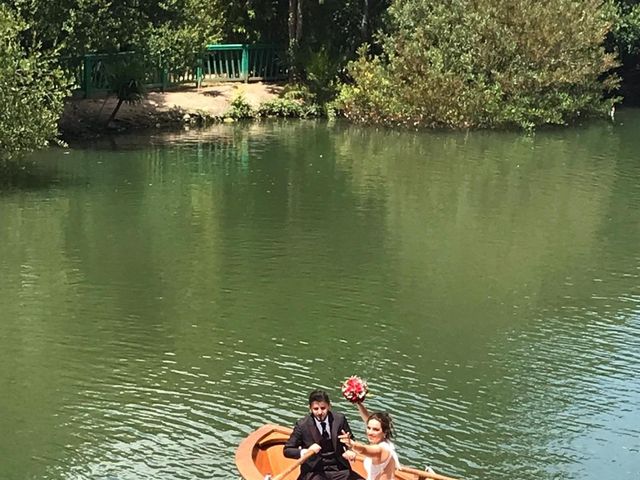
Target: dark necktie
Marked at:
325, 434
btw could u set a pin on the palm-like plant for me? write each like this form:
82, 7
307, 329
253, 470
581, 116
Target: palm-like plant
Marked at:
127, 81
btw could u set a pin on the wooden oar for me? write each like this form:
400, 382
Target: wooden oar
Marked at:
425, 474
291, 467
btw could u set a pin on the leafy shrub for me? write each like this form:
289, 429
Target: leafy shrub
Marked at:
313, 110
240, 108
288, 108
32, 92
176, 45
321, 75
299, 92
625, 38
481, 63
626, 29
126, 78
280, 107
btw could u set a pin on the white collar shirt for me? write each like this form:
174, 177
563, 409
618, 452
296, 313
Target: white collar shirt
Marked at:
319, 426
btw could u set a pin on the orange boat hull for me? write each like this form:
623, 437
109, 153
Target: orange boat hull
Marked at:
261, 454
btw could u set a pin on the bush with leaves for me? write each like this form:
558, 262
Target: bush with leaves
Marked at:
625, 38
322, 72
240, 108
32, 92
481, 63
127, 77
281, 107
297, 101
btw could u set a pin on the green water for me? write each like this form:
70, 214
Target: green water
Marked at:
164, 296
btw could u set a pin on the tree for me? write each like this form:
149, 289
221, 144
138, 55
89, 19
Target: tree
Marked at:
481, 63
295, 34
76, 27
126, 81
32, 91
625, 39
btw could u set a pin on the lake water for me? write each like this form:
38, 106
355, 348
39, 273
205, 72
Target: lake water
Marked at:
163, 296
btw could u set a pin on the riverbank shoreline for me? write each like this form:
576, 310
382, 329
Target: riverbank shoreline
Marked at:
168, 110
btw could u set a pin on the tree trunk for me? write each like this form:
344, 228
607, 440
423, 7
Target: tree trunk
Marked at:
364, 25
115, 111
293, 46
295, 36
299, 23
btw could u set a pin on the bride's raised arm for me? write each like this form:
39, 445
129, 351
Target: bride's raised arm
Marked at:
364, 413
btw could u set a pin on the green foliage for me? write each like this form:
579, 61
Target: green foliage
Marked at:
483, 63
296, 101
240, 108
175, 30
187, 27
625, 39
290, 105
322, 75
76, 27
626, 29
299, 92
338, 29
175, 47
281, 107
32, 91
126, 79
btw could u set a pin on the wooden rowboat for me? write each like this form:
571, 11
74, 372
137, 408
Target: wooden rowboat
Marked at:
261, 454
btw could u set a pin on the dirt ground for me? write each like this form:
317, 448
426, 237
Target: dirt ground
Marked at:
160, 109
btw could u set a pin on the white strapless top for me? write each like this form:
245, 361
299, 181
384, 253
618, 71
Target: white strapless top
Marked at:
376, 471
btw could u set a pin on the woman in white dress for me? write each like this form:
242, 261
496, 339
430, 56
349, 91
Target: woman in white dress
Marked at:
380, 457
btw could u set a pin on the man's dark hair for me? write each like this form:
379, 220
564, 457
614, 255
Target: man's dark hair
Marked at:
319, 396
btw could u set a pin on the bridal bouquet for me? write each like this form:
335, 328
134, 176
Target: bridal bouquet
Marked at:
355, 389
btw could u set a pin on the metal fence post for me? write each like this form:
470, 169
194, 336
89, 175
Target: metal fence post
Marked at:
164, 74
199, 62
245, 62
86, 75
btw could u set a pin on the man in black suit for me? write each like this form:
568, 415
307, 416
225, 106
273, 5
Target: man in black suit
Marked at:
319, 432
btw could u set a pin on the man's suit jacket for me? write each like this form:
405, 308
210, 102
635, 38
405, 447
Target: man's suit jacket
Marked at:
305, 433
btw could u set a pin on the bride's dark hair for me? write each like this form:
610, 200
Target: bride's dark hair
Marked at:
385, 422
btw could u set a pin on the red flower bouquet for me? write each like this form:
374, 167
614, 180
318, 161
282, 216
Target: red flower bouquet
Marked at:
355, 389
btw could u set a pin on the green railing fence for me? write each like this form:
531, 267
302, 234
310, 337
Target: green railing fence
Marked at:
91, 72
230, 62
241, 62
